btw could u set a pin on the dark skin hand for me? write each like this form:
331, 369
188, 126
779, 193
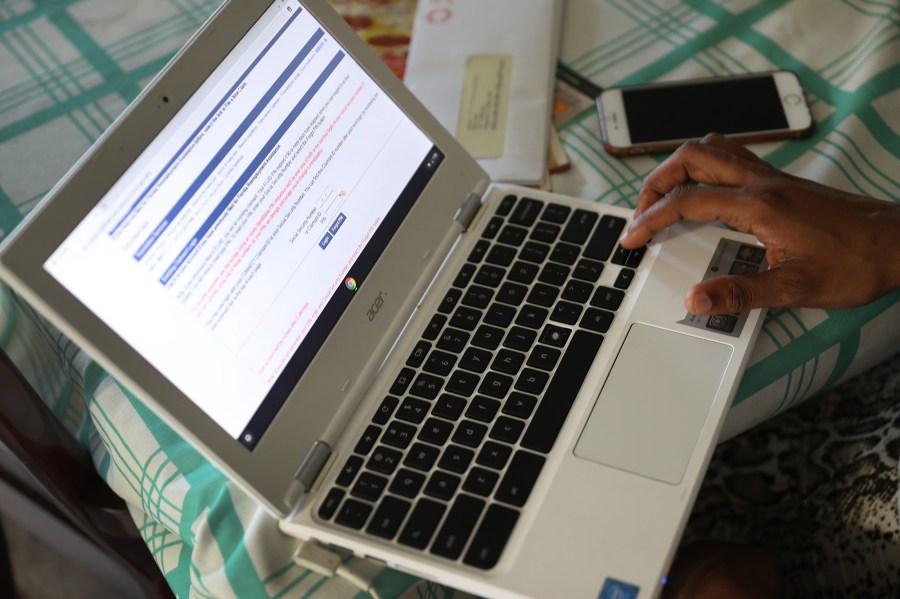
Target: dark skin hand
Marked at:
717, 570
826, 248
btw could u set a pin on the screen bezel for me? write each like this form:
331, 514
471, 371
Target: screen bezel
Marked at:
617, 137
333, 381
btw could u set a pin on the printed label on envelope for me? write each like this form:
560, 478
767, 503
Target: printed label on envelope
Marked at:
481, 127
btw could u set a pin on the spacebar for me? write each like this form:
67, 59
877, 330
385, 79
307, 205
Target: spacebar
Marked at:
560, 394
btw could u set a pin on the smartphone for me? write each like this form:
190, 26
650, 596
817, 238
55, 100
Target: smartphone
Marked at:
660, 116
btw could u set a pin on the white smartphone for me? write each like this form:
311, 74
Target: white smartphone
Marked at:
660, 116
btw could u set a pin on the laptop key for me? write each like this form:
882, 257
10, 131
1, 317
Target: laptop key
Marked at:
463, 383
434, 327
579, 226
421, 457
330, 505
412, 410
526, 212
450, 300
494, 455
490, 276
545, 232
401, 383
566, 382
565, 253
442, 485
512, 235
422, 523
608, 298
578, 291
458, 527
496, 385
544, 357
499, 315
353, 514
449, 406
520, 405
597, 320
367, 441
532, 381
384, 460
465, 318
478, 297
418, 354
453, 340
554, 274
523, 272
483, 409
407, 483
436, 431
478, 252
588, 270
440, 363
491, 537
555, 336
475, 359
491, 229
507, 430
426, 386
387, 517
369, 486
456, 459
348, 473
520, 339
556, 213
466, 273
383, 414
506, 205
519, 479
512, 293
605, 238
481, 482
623, 281
397, 434
469, 433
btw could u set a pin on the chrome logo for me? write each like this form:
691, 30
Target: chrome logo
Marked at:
350, 283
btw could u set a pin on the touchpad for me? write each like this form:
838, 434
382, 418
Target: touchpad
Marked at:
654, 403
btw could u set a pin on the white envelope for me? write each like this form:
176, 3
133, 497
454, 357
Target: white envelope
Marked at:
502, 54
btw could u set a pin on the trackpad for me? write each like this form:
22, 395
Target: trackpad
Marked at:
654, 403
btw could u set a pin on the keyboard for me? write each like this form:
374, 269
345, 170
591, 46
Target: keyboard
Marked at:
456, 446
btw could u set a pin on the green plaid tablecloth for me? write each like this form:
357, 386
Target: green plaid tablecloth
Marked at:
68, 67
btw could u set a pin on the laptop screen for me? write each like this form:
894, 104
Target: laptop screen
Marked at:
232, 245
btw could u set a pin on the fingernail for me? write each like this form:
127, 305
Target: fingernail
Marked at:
702, 303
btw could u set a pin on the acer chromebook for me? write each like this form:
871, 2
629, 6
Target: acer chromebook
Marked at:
283, 253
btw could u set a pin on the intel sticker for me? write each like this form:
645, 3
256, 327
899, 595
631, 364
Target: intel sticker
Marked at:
616, 589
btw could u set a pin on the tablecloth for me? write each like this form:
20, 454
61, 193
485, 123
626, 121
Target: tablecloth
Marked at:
68, 67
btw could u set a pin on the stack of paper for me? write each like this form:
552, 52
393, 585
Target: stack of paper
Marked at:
486, 70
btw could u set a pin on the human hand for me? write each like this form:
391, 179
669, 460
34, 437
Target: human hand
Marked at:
719, 570
826, 248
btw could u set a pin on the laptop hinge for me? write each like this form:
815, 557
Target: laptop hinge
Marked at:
469, 209
312, 465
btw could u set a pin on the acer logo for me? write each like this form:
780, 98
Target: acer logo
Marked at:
376, 306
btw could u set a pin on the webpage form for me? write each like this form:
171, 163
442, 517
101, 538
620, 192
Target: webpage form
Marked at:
218, 249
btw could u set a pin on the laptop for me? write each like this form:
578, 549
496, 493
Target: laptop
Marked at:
282, 252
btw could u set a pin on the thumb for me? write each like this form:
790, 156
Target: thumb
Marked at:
733, 294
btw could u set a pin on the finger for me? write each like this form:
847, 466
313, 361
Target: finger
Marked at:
774, 288
692, 163
736, 207
729, 145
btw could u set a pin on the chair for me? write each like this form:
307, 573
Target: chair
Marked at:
64, 485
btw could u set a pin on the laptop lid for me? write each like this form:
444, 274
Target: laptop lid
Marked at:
248, 238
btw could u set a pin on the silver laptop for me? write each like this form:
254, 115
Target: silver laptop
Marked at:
279, 250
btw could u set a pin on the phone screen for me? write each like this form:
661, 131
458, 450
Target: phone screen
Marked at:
691, 110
